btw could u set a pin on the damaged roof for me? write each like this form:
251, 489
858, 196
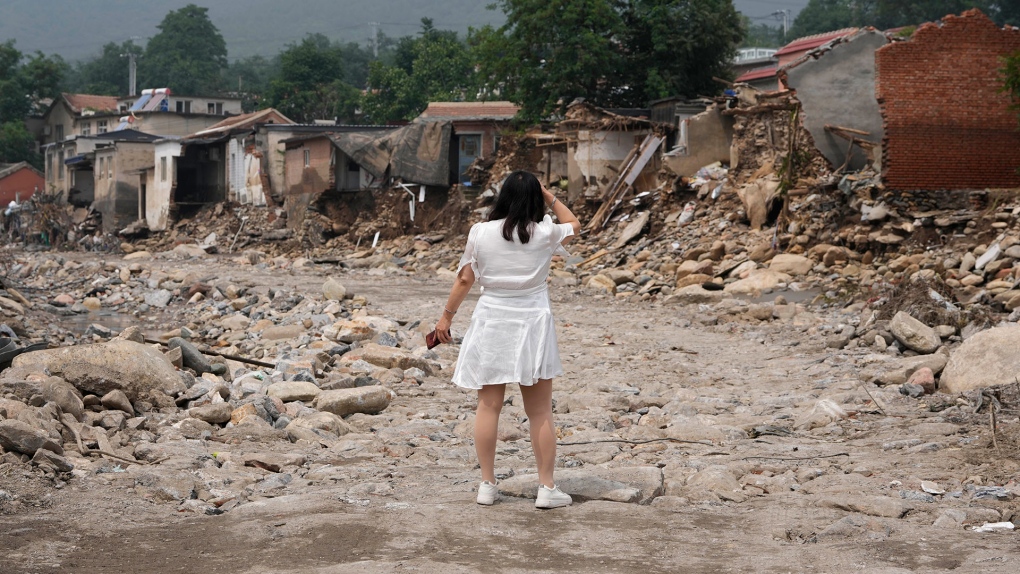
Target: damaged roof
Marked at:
502, 111
81, 102
813, 41
243, 121
415, 153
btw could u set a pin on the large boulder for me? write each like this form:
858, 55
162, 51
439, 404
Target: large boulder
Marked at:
985, 359
98, 369
342, 402
17, 436
914, 334
695, 294
896, 371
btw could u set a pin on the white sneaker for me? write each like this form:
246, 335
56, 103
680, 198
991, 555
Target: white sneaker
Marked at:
487, 493
552, 497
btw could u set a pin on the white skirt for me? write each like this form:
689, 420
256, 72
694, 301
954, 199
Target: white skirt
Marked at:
511, 339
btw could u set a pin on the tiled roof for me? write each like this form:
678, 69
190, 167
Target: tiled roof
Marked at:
758, 74
808, 42
241, 121
470, 110
7, 169
80, 102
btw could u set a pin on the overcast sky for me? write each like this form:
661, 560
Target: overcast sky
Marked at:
761, 10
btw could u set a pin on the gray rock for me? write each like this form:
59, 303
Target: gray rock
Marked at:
343, 402
315, 426
159, 298
714, 482
17, 436
51, 461
985, 359
61, 393
914, 334
217, 413
633, 484
856, 526
897, 371
132, 333
289, 391
280, 332
117, 400
333, 290
871, 505
193, 358
119, 364
695, 294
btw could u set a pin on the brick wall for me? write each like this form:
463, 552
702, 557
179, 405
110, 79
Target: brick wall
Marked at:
20, 184
313, 179
947, 126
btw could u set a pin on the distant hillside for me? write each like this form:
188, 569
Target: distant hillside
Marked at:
77, 29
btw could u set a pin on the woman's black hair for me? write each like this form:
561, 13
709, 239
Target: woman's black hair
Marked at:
520, 202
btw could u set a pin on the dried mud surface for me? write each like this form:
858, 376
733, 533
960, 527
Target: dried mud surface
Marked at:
428, 521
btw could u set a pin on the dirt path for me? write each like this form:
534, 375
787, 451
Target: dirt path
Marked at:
841, 497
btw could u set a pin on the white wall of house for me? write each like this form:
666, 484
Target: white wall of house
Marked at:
157, 197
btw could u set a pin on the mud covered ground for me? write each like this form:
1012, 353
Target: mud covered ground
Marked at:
753, 489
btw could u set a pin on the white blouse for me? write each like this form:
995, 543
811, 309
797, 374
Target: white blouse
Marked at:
511, 265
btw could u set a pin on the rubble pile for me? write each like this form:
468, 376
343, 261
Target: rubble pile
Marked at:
254, 366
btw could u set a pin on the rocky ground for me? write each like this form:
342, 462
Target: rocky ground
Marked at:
701, 430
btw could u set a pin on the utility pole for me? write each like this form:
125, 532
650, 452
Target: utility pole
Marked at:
375, 38
132, 72
785, 16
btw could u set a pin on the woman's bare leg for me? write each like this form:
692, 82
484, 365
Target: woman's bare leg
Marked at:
490, 403
538, 406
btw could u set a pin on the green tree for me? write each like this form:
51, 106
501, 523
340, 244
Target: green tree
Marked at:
251, 76
550, 52
187, 55
828, 15
435, 66
762, 35
310, 84
107, 74
17, 144
1011, 78
13, 103
676, 47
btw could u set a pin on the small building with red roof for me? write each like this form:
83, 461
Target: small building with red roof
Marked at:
767, 78
18, 181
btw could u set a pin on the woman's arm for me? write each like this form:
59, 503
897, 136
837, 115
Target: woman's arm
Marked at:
461, 285
562, 212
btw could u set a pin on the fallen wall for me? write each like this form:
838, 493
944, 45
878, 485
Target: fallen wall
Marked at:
708, 140
838, 88
947, 126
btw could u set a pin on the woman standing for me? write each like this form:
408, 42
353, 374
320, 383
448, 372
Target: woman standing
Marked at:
511, 338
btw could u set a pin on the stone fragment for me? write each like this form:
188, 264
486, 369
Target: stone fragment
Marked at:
160, 298
216, 413
387, 357
18, 436
984, 359
897, 371
320, 424
924, 378
695, 294
791, 264
51, 461
633, 484
61, 393
602, 282
342, 402
333, 290
289, 391
192, 357
914, 334
117, 400
633, 229
280, 332
871, 505
758, 281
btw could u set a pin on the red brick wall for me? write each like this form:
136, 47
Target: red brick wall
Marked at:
947, 126
21, 184
313, 179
